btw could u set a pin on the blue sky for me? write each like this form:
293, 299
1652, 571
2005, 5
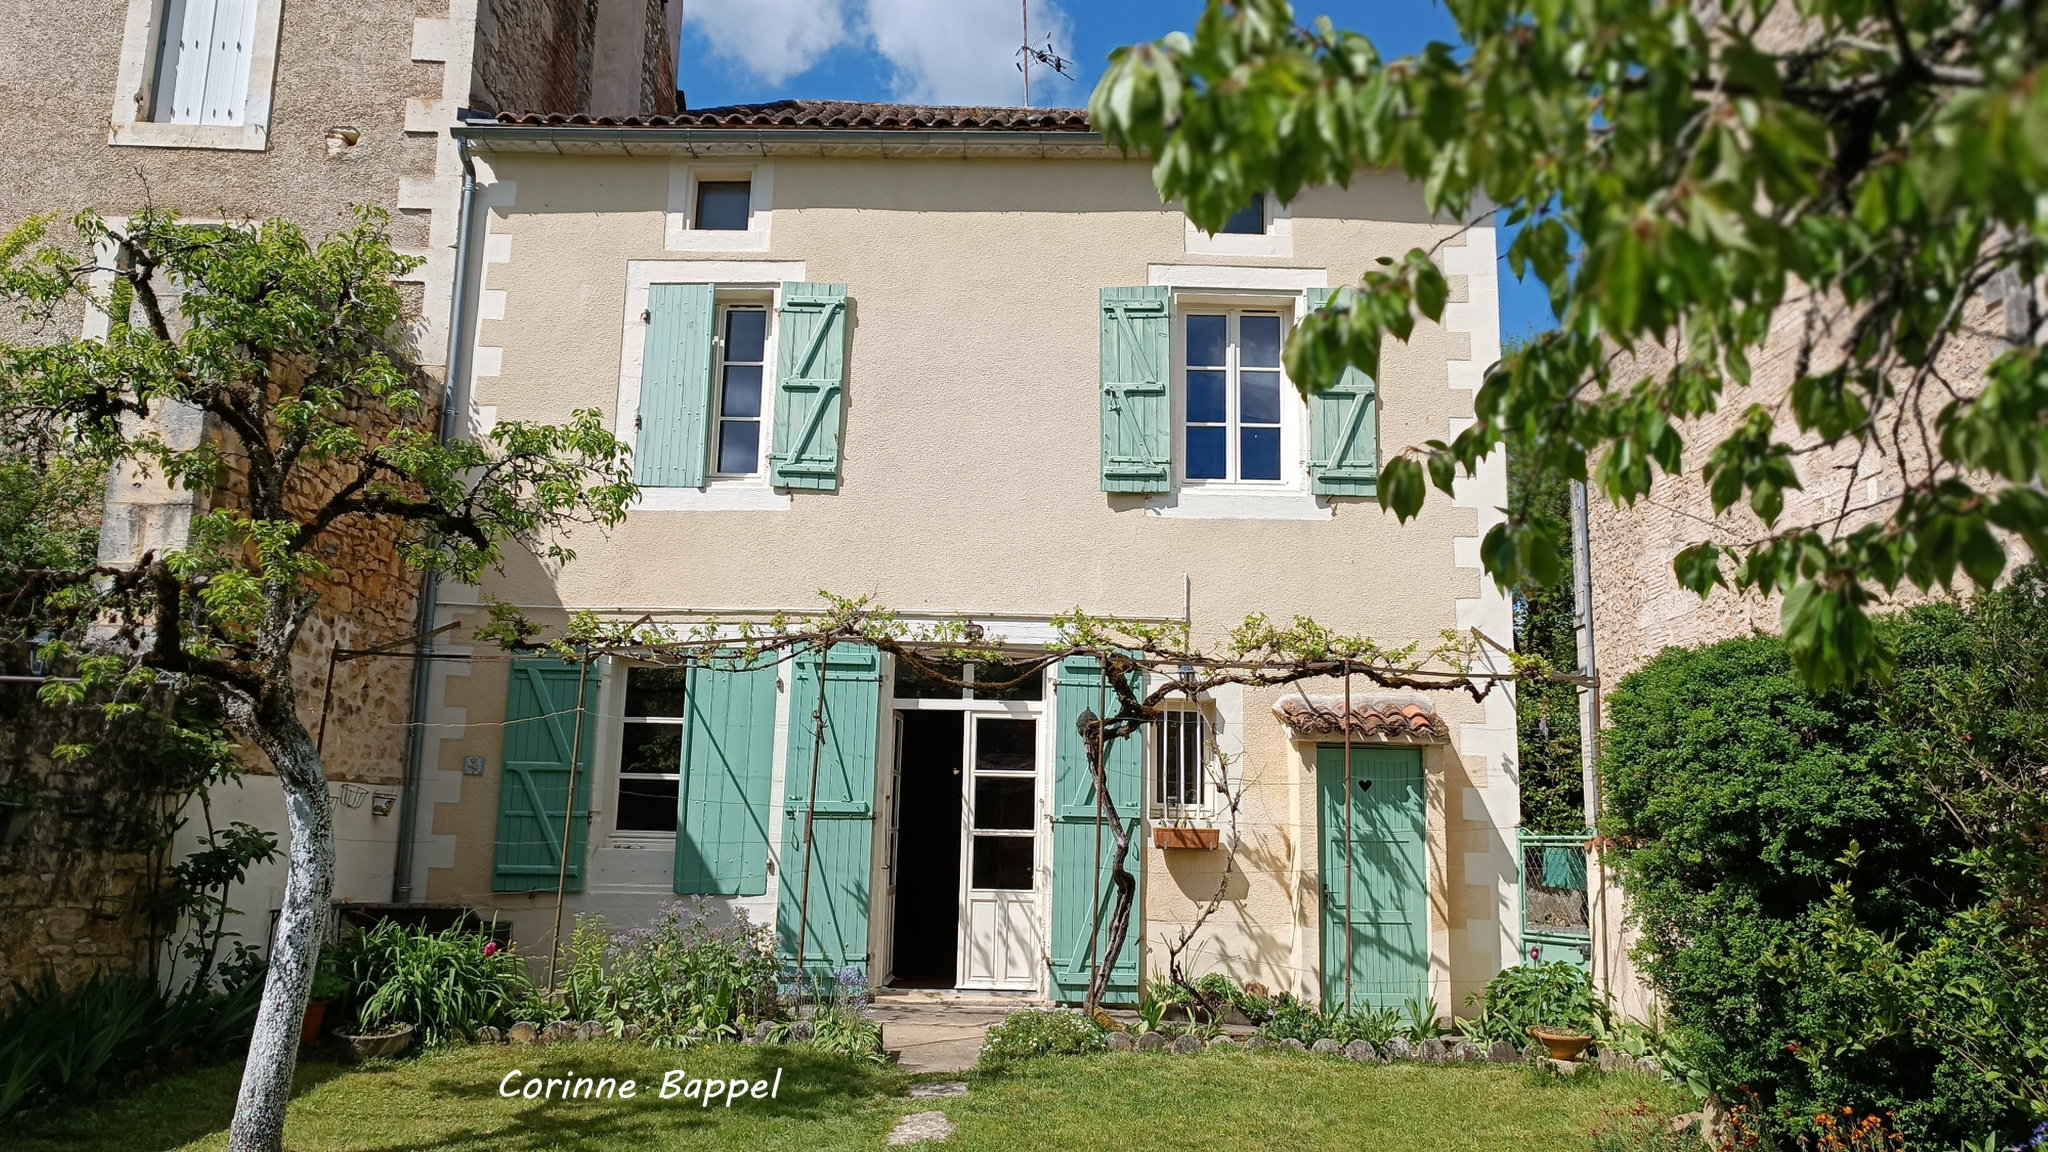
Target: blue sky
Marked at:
965, 52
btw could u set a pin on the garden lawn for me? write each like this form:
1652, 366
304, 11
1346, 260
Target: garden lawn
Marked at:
1122, 1102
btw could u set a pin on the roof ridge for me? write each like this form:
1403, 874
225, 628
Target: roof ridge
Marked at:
831, 114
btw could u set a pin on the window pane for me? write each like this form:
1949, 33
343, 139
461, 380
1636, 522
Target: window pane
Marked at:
1259, 340
1250, 219
651, 748
912, 684
1208, 339
1260, 453
1180, 759
722, 207
1003, 802
1258, 397
746, 334
1003, 862
1206, 403
647, 805
739, 447
654, 691
1206, 454
742, 390
1031, 687
1004, 745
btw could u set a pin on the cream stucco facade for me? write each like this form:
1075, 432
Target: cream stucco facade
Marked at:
968, 482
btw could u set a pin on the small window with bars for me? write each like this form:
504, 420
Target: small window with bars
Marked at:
1180, 785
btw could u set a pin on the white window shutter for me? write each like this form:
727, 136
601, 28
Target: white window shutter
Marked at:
203, 72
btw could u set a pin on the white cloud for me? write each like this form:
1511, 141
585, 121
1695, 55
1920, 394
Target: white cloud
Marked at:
965, 51
773, 39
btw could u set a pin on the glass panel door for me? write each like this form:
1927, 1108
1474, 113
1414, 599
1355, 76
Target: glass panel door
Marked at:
998, 938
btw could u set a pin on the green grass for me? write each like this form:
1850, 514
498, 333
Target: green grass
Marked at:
1124, 1102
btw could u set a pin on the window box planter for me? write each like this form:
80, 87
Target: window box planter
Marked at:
1185, 839
1564, 1046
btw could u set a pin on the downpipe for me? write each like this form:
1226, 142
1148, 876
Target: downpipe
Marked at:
456, 377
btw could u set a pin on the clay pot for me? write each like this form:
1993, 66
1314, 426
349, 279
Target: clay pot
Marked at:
370, 1045
316, 1013
1564, 1046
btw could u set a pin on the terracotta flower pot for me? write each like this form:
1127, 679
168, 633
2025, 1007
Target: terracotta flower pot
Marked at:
316, 1013
1564, 1046
370, 1045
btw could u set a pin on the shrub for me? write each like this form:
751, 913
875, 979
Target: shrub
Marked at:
839, 1019
1033, 1033
1556, 995
59, 1047
445, 984
691, 975
1731, 794
1641, 1128
1294, 1019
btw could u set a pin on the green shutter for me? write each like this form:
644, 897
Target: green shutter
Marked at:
1137, 420
843, 819
810, 386
675, 387
1082, 848
541, 721
1343, 430
1388, 901
722, 806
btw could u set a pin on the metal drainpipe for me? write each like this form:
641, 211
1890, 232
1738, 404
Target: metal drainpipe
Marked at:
1589, 693
430, 585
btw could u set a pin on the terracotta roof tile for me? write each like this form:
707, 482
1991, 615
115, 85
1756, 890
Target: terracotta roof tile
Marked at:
827, 114
1404, 719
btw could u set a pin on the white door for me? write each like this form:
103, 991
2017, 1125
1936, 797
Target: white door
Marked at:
999, 869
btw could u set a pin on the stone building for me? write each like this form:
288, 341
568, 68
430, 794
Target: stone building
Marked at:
226, 109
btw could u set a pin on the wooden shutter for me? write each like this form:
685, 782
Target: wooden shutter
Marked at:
835, 932
675, 387
722, 806
1137, 420
1083, 847
1343, 431
542, 720
203, 73
810, 386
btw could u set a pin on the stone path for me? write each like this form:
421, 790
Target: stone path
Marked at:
940, 1031
919, 1127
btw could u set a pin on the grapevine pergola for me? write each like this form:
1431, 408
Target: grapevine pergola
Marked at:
1144, 664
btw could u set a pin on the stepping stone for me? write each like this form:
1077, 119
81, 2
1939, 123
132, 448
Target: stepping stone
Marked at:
919, 1127
931, 1088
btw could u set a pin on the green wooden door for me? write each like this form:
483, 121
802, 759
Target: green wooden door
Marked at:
834, 916
541, 737
728, 758
1083, 847
1377, 885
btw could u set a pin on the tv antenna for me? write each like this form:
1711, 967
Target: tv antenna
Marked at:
1045, 55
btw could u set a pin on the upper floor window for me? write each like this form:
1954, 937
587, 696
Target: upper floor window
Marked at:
743, 352
196, 73
723, 205
1249, 220
1233, 429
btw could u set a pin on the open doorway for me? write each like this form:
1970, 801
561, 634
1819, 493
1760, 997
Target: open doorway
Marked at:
927, 914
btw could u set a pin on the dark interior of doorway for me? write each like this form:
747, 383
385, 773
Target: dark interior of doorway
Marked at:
927, 913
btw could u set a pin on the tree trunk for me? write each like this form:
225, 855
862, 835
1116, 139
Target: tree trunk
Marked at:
301, 925
1126, 885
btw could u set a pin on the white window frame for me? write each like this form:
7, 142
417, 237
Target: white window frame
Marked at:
681, 231
1276, 240
725, 305
1293, 424
141, 45
1164, 745
737, 280
616, 756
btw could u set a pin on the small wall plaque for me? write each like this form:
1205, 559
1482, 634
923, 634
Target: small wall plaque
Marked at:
472, 765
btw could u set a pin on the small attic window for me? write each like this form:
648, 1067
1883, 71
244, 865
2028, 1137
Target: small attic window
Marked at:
722, 205
1250, 220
